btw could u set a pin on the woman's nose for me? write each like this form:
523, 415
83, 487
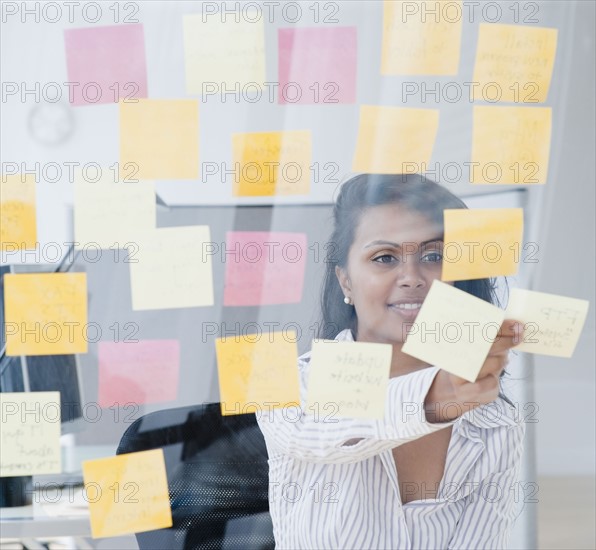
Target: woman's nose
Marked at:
409, 275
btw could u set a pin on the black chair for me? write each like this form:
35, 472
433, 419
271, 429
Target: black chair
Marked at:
217, 477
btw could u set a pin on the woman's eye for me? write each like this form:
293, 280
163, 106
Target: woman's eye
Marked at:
432, 257
385, 259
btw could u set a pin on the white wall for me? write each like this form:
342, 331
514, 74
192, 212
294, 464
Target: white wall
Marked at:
565, 389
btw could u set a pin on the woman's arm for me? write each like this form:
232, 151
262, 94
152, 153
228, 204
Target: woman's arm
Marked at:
316, 434
490, 512
417, 404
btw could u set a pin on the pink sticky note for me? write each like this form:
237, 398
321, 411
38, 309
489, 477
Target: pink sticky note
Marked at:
106, 64
264, 268
317, 65
138, 372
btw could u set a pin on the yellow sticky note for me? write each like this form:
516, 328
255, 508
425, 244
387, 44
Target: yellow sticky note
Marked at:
226, 55
392, 140
127, 493
171, 267
514, 63
109, 215
482, 242
416, 42
18, 230
552, 324
30, 434
159, 139
349, 378
510, 145
257, 372
272, 163
46, 313
454, 330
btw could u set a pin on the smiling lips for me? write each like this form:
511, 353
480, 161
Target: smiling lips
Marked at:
407, 306
407, 310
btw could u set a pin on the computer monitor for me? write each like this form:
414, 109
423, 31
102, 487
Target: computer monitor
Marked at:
34, 373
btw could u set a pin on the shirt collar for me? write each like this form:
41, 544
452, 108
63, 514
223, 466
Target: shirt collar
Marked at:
345, 335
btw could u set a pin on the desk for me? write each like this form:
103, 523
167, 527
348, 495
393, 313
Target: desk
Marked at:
59, 512
56, 510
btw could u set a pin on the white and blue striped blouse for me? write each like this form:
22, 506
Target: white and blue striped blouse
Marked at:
333, 482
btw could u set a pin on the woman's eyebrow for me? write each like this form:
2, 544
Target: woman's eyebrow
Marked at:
435, 240
385, 243
396, 245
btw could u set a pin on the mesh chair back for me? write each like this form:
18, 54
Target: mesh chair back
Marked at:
217, 476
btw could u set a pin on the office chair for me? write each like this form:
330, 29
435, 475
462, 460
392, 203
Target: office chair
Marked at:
217, 478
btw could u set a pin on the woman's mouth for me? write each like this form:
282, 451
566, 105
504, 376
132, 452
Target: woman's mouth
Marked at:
407, 310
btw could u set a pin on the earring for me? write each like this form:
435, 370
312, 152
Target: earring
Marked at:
347, 300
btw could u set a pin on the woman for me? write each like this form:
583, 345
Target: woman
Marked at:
441, 478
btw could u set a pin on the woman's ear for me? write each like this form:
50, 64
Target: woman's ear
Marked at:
344, 280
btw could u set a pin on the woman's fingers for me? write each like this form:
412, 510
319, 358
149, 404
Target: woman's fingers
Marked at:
509, 335
449, 388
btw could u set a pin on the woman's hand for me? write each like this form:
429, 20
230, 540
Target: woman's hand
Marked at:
450, 396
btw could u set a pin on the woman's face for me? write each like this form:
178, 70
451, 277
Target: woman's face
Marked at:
395, 256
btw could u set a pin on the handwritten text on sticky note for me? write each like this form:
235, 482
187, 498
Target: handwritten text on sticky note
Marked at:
481, 243
514, 63
416, 43
552, 324
352, 377
258, 371
392, 140
127, 493
30, 434
46, 313
454, 330
18, 230
510, 145
272, 163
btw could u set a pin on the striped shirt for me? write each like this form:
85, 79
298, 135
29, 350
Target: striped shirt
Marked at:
333, 481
